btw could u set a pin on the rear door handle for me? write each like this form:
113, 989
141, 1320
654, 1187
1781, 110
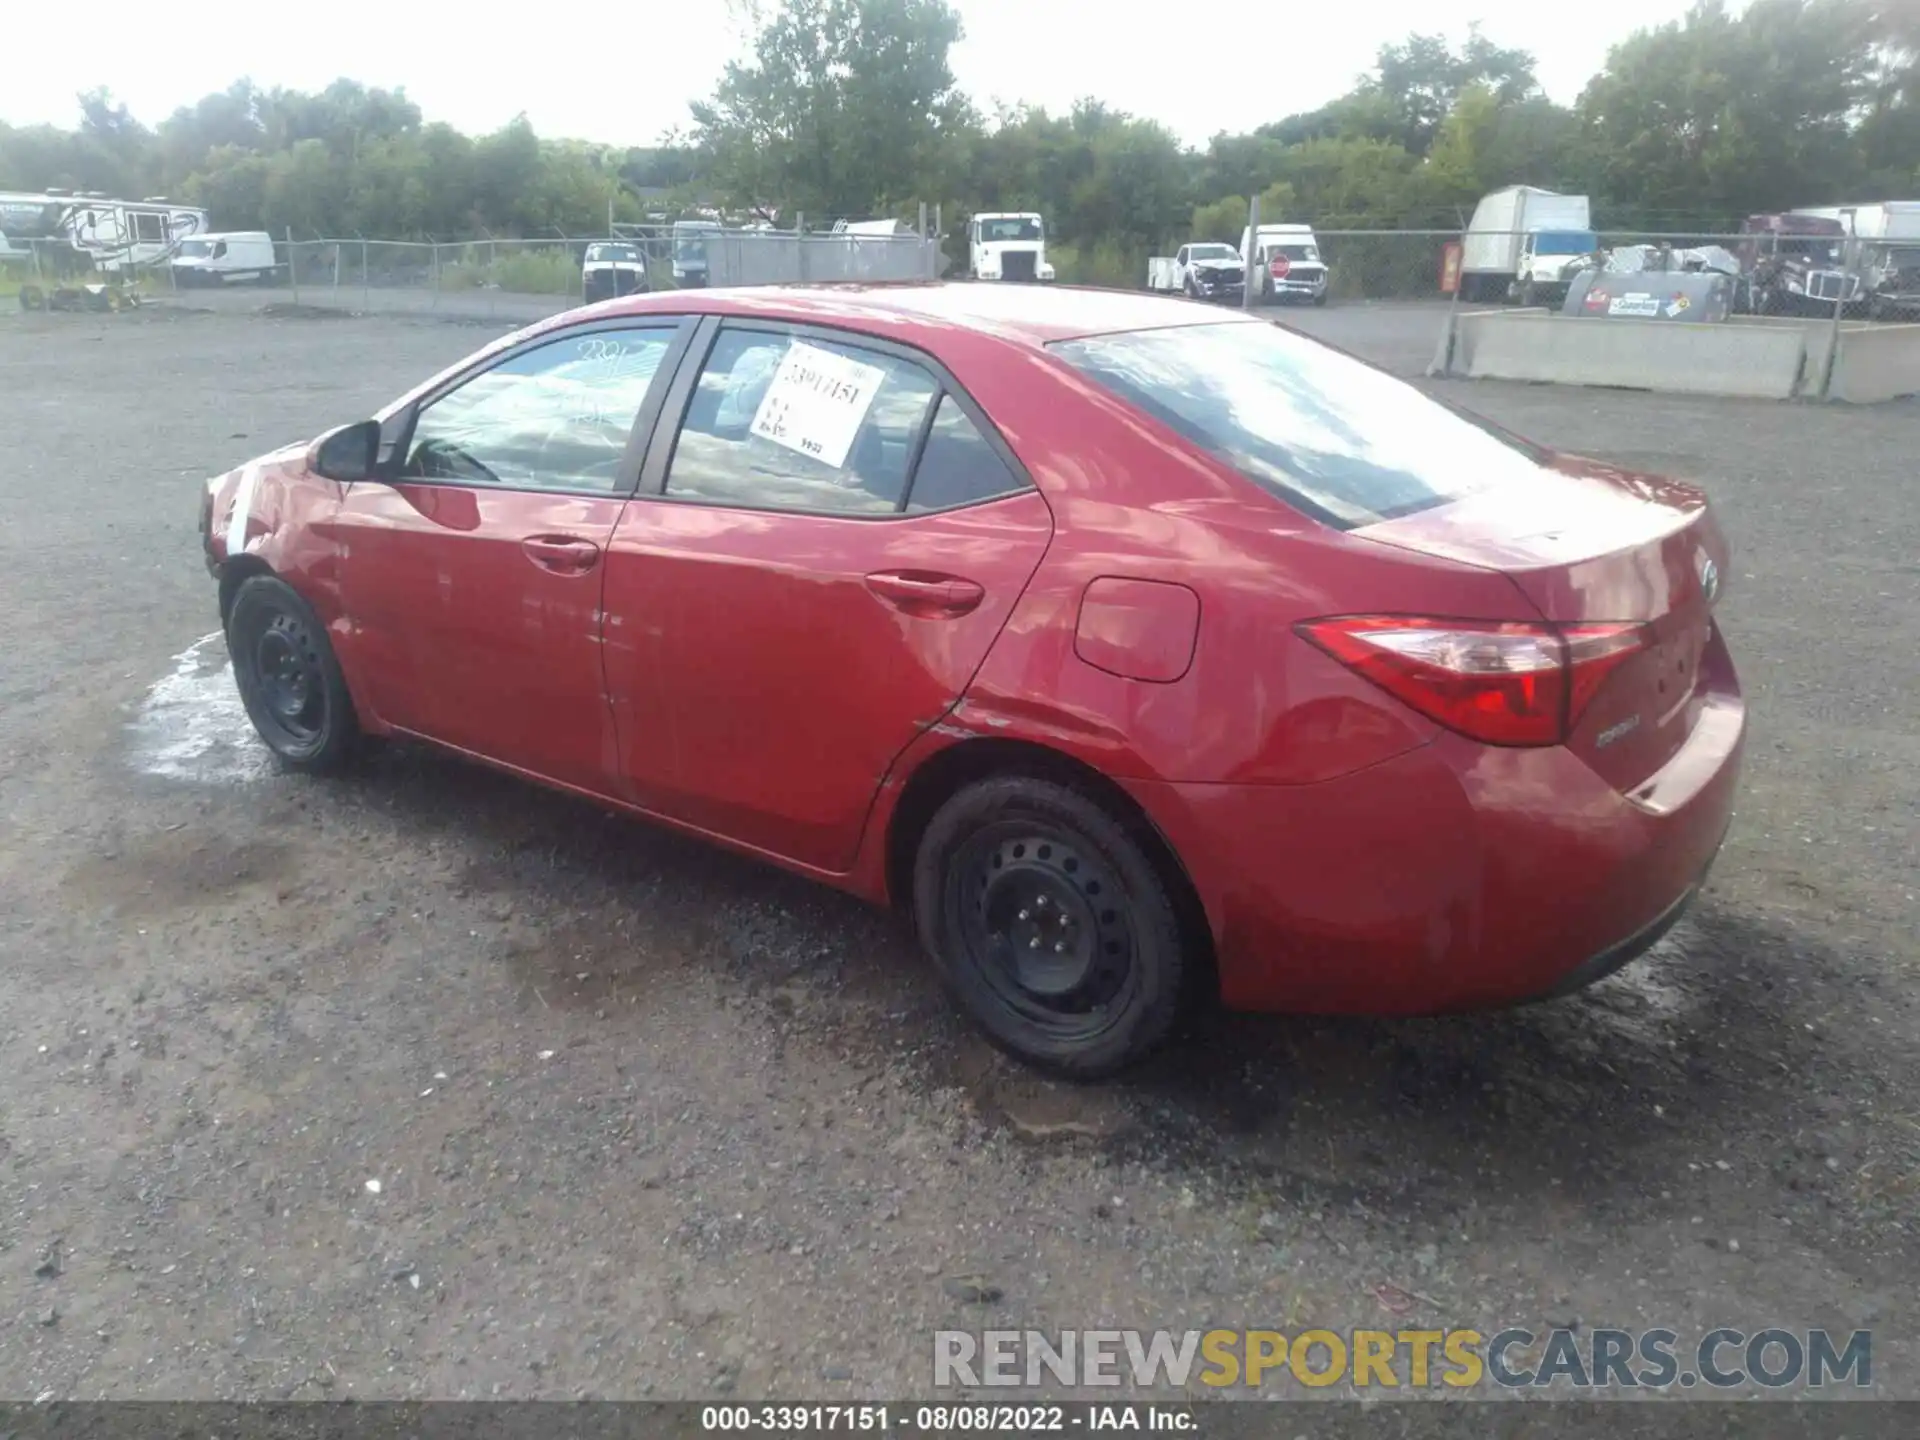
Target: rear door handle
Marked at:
926, 593
561, 554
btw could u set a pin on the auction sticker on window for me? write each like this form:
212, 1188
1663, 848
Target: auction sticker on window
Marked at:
816, 402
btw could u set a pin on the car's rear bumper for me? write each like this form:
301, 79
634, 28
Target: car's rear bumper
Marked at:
1453, 877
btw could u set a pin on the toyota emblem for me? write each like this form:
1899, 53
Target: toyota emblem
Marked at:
1709, 580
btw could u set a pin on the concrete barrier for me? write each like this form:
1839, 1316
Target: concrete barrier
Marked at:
1878, 362
1759, 361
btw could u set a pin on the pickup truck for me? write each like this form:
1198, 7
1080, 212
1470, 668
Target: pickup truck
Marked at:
1204, 271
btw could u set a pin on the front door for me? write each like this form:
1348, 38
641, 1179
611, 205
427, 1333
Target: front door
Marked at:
472, 579
819, 559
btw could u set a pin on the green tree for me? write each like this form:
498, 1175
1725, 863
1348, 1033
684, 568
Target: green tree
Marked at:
1722, 115
842, 111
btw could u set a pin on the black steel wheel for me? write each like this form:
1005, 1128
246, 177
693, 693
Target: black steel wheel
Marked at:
288, 677
1052, 924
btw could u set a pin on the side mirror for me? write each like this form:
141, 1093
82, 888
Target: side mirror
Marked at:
349, 454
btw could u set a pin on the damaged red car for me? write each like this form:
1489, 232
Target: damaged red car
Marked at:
1143, 654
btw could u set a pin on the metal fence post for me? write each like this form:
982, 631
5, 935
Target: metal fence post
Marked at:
436, 274
1253, 249
1833, 333
1442, 363
293, 266
366, 276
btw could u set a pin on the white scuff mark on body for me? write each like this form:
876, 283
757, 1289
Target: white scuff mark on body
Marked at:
192, 726
242, 505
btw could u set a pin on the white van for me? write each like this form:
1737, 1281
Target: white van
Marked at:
229, 259
1287, 265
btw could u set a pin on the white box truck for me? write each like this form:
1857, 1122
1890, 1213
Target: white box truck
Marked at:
237, 257
1007, 245
1525, 244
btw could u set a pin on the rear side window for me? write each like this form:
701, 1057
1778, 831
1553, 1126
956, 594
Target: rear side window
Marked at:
790, 423
1343, 442
958, 466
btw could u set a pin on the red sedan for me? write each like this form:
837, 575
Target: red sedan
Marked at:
1141, 652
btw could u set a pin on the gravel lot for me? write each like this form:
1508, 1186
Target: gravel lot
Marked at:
649, 1120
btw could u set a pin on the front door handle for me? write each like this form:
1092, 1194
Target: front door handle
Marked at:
926, 593
561, 554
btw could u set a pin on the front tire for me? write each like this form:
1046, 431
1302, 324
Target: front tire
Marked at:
1052, 924
289, 679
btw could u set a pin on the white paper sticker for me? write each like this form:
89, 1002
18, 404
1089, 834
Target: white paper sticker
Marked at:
816, 402
1638, 304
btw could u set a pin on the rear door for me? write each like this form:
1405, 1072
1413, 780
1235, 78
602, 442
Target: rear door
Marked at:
829, 536
472, 578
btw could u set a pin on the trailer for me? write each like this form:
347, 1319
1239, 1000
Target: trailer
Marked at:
69, 230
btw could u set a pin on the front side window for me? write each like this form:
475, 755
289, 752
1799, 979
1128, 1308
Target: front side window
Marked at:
791, 422
556, 417
1338, 439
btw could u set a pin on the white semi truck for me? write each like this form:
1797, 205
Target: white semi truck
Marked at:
1883, 249
1524, 244
1007, 245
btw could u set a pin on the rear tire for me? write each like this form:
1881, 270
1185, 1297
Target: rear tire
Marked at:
1052, 925
289, 679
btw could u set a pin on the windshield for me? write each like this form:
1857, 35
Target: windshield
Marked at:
1565, 242
1904, 257
196, 249
1827, 252
691, 246
1010, 227
1213, 252
1293, 252
1345, 443
612, 252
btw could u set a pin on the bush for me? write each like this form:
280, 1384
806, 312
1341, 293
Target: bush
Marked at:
1107, 264
548, 271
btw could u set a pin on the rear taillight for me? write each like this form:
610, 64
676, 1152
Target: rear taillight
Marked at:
1503, 683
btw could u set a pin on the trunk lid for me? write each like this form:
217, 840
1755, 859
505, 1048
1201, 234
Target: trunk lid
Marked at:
1593, 544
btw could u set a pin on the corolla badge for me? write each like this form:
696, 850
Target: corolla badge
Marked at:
1709, 580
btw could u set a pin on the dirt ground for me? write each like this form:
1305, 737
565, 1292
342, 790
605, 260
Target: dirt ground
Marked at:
430, 1084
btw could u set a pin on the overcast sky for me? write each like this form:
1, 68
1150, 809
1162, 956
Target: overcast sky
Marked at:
1237, 67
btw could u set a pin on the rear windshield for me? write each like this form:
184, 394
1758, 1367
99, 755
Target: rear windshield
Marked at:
1340, 440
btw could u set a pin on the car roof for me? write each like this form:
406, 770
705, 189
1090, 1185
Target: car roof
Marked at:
1030, 314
